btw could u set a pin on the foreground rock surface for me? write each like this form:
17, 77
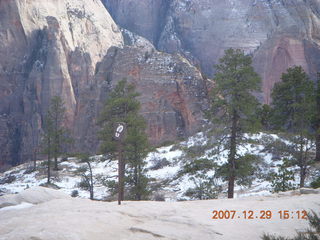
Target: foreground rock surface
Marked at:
77, 219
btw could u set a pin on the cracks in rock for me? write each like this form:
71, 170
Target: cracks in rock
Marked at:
134, 229
274, 15
163, 22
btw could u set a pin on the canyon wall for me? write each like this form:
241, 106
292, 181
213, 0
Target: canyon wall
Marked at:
278, 33
74, 49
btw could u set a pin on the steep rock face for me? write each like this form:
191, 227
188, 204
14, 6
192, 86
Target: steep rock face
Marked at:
73, 49
172, 91
151, 19
278, 33
47, 48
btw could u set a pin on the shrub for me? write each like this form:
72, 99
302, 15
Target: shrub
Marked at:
283, 180
311, 234
74, 193
159, 197
315, 183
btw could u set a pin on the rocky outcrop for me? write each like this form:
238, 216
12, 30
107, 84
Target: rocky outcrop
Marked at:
47, 48
172, 91
278, 33
73, 49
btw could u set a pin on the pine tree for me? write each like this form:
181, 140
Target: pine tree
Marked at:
282, 180
122, 106
234, 107
55, 135
136, 151
293, 104
59, 132
47, 144
265, 115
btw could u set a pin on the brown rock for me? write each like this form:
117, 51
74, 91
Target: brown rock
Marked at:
42, 44
172, 90
72, 48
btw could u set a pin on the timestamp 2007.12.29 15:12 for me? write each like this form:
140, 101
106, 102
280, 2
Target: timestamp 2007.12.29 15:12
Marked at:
262, 214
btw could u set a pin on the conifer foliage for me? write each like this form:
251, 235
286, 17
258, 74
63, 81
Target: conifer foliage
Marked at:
55, 134
233, 109
293, 109
122, 106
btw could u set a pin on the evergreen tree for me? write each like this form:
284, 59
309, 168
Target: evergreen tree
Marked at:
293, 104
204, 188
47, 144
136, 151
199, 172
122, 106
55, 135
265, 115
234, 107
281, 181
60, 137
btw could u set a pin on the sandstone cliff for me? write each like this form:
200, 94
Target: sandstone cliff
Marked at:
73, 48
278, 33
47, 48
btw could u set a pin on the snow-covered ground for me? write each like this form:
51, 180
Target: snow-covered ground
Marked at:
174, 188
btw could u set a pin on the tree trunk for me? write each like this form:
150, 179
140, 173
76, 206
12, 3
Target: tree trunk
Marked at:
318, 144
231, 181
49, 163
303, 174
91, 181
123, 168
317, 132
121, 173
139, 195
135, 179
35, 159
302, 162
55, 162
232, 155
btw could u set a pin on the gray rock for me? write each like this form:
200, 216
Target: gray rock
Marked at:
7, 179
279, 34
309, 191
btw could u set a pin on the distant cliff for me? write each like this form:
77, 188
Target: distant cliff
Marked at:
278, 33
73, 48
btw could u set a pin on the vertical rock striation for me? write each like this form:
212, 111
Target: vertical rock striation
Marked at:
47, 48
173, 92
278, 33
73, 49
